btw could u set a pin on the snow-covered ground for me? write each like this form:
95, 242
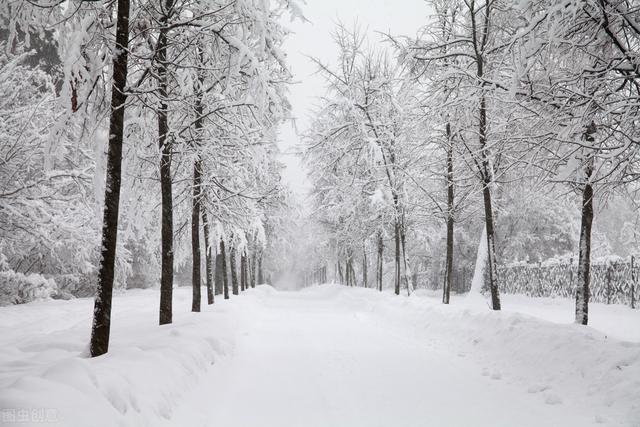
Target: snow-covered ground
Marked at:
324, 356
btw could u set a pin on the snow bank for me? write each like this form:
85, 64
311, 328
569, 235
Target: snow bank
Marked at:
561, 362
46, 374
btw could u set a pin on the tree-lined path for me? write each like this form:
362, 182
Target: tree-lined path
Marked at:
324, 358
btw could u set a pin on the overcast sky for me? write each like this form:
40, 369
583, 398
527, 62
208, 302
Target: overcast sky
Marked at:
314, 39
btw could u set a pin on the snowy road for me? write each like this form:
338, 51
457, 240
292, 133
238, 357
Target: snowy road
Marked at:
309, 359
325, 356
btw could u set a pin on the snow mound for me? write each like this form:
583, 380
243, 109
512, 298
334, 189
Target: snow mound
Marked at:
138, 383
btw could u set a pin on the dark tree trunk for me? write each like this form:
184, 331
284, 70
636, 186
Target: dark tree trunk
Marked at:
166, 276
487, 175
252, 270
347, 271
223, 272
208, 269
584, 257
354, 280
340, 275
584, 251
380, 262
260, 272
403, 242
196, 210
246, 271
243, 271
449, 261
365, 280
234, 271
195, 237
102, 309
219, 274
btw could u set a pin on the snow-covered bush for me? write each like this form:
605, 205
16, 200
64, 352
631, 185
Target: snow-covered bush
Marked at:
75, 285
17, 288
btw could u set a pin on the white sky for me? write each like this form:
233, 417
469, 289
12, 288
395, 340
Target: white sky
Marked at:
314, 39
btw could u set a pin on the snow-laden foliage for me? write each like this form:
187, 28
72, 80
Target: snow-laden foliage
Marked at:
518, 118
225, 57
18, 288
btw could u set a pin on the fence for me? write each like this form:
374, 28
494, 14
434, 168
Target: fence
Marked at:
612, 282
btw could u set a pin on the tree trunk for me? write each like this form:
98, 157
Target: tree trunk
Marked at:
219, 274
354, 280
247, 274
380, 262
252, 270
340, 275
196, 280
487, 175
347, 273
166, 277
234, 271
102, 307
365, 280
260, 272
195, 238
584, 257
351, 273
403, 240
584, 254
208, 269
243, 271
223, 272
449, 261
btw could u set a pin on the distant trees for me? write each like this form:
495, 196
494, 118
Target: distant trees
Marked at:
356, 146
496, 105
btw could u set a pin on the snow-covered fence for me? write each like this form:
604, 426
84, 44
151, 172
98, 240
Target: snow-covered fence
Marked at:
613, 281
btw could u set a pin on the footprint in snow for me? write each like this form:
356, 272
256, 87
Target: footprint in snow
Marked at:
495, 375
600, 419
552, 399
537, 388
